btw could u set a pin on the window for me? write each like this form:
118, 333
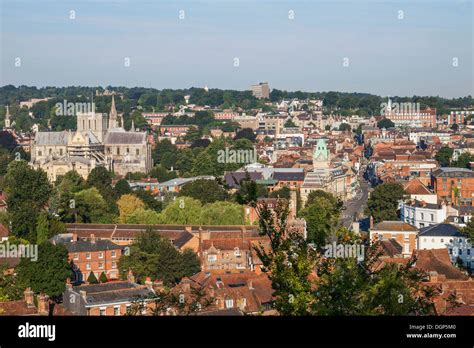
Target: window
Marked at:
442, 240
114, 264
128, 308
40, 153
450, 251
113, 254
117, 310
61, 152
88, 266
211, 258
88, 256
422, 216
137, 151
422, 225
118, 150
460, 240
432, 217
468, 251
101, 254
460, 251
101, 265
102, 310
229, 303
424, 239
76, 256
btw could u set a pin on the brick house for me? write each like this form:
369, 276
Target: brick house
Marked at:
90, 255
455, 185
403, 233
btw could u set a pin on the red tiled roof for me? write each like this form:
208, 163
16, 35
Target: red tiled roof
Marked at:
416, 187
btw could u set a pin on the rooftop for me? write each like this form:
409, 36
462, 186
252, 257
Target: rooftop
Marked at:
394, 226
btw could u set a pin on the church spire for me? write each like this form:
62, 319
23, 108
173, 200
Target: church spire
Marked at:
113, 114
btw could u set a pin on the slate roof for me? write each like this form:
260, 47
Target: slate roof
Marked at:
238, 176
82, 245
51, 138
288, 176
125, 138
452, 172
113, 292
441, 230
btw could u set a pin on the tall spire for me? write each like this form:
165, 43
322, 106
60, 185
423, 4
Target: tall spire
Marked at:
113, 114
7, 117
133, 126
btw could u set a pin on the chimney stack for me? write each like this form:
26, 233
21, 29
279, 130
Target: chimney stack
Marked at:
149, 283
43, 304
130, 276
29, 298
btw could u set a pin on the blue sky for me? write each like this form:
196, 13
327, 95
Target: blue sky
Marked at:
386, 55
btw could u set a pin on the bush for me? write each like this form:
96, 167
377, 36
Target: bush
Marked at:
92, 278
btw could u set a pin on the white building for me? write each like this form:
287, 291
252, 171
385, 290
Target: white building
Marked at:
422, 214
442, 236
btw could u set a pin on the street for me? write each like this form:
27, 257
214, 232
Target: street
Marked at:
356, 206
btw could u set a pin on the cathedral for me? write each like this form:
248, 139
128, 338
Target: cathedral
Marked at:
100, 140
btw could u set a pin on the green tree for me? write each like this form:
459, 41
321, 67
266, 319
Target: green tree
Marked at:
203, 164
42, 228
156, 257
222, 213
463, 160
246, 133
90, 207
444, 156
344, 127
289, 123
28, 191
48, 273
103, 278
122, 187
127, 204
207, 191
183, 211
341, 286
147, 197
383, 202
249, 191
143, 216
162, 174
92, 279
284, 192
385, 123
320, 215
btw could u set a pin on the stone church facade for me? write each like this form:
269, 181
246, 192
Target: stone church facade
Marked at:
100, 140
